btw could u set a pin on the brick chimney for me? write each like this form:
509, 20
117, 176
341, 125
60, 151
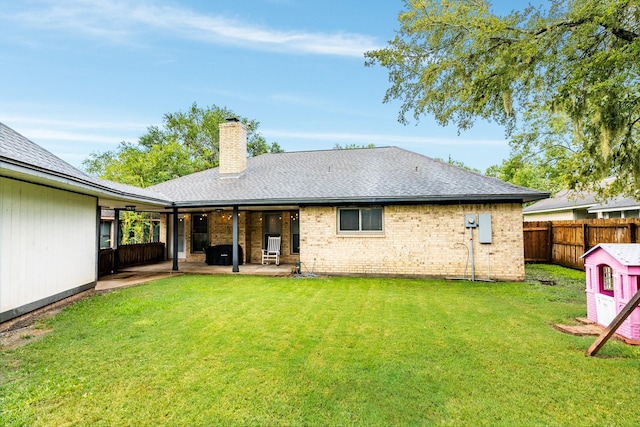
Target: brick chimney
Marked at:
233, 148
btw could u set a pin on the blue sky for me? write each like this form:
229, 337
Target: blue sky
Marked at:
79, 76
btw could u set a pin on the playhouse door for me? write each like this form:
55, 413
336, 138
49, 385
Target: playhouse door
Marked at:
605, 309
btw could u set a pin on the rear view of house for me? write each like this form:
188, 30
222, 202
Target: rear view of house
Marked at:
379, 211
376, 211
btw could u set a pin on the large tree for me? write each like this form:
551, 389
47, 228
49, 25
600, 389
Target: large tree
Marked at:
573, 62
187, 142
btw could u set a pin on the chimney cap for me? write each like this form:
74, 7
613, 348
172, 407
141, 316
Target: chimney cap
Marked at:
232, 119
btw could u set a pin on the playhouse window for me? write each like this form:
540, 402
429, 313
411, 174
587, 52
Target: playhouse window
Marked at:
606, 280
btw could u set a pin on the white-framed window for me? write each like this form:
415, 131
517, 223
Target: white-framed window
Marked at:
360, 220
606, 280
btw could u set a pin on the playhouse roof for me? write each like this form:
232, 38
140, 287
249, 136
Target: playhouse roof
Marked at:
624, 253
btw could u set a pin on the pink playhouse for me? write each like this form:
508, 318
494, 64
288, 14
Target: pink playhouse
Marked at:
612, 271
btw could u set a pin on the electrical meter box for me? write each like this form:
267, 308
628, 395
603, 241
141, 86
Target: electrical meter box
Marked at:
470, 221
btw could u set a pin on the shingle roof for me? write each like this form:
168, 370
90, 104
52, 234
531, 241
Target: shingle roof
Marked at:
16, 147
625, 253
379, 175
19, 150
618, 203
563, 200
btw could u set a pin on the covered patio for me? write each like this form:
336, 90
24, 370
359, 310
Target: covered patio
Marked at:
145, 273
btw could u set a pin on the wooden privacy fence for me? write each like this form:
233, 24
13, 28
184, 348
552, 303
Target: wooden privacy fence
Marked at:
128, 256
564, 242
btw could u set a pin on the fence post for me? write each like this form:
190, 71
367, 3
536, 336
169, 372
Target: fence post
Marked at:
549, 241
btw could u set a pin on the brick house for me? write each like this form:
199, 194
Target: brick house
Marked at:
375, 211
379, 211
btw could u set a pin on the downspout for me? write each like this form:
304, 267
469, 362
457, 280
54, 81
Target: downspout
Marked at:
175, 240
234, 249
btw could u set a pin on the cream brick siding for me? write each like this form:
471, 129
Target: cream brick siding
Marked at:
233, 148
425, 240
417, 241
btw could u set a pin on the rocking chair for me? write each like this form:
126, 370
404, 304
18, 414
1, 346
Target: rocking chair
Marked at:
273, 251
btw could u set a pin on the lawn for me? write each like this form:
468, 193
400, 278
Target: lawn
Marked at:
239, 350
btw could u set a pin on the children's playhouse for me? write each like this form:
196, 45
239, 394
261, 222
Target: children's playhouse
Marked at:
612, 271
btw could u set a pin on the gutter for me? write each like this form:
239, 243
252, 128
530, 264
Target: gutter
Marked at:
89, 186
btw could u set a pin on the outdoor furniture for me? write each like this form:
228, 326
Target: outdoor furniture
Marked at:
222, 255
273, 250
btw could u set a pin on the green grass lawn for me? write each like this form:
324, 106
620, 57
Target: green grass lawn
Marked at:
239, 350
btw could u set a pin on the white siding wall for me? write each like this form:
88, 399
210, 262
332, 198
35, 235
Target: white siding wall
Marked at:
47, 242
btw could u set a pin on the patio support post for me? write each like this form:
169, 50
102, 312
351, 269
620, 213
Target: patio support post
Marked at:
175, 240
116, 240
234, 249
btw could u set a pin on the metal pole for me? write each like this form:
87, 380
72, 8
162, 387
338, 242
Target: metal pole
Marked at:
234, 250
117, 237
175, 240
473, 265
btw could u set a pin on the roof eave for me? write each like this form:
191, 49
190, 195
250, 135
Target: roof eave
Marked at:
504, 198
14, 169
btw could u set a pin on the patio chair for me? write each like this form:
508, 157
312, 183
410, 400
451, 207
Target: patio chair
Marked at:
273, 250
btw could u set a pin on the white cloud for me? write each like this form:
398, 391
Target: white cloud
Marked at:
379, 139
40, 129
119, 21
61, 123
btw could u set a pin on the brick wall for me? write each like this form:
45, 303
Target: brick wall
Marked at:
426, 240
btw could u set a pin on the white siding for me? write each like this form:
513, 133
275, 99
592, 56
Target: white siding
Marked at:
47, 242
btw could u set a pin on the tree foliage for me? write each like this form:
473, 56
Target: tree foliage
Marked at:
352, 146
573, 62
187, 142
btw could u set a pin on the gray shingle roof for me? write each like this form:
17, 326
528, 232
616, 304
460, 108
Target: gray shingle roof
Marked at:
563, 200
621, 203
625, 253
16, 147
19, 150
373, 175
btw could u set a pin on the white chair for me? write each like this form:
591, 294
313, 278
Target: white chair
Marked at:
273, 251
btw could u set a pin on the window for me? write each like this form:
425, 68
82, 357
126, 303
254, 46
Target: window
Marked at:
295, 232
199, 233
105, 234
360, 220
272, 227
606, 280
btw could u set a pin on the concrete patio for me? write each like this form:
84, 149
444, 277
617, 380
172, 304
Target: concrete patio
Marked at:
145, 273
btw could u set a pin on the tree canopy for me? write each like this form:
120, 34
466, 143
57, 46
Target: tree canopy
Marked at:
562, 78
187, 142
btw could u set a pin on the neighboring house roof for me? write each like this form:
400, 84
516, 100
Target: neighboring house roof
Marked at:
624, 253
371, 175
20, 157
564, 200
617, 204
